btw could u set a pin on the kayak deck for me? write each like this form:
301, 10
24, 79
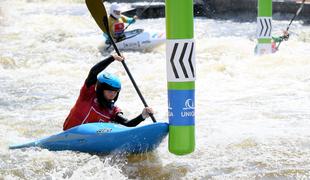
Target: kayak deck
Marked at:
104, 138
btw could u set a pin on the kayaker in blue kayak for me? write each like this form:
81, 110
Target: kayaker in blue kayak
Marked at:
96, 102
116, 22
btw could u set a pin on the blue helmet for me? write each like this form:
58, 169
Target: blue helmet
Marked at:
109, 81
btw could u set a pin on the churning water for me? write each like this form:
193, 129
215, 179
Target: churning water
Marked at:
252, 112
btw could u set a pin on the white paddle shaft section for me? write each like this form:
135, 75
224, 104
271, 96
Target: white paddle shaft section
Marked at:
264, 27
180, 60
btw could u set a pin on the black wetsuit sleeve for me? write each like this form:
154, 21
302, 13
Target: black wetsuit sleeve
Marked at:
96, 69
129, 123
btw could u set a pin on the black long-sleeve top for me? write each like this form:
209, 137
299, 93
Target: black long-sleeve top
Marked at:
92, 79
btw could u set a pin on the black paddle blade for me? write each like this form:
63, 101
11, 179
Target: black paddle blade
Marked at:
97, 10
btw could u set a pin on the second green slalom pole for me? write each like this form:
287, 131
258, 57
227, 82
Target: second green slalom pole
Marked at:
181, 72
264, 27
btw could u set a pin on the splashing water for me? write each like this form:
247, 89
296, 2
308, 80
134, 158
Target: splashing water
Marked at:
252, 112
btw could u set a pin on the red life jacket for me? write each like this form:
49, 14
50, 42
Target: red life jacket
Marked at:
118, 28
88, 110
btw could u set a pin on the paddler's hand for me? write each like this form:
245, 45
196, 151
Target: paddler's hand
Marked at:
146, 112
286, 35
133, 20
118, 58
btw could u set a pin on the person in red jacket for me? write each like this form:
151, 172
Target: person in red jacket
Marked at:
96, 102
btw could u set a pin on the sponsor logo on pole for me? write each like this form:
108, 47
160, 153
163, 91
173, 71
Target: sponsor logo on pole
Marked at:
180, 60
264, 27
181, 107
189, 104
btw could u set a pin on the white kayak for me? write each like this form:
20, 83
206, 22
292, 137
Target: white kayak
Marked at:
139, 39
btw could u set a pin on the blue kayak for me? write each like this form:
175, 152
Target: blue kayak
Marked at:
104, 138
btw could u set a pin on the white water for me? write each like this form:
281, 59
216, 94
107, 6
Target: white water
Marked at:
252, 113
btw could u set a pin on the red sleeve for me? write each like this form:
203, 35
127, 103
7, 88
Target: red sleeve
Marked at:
86, 93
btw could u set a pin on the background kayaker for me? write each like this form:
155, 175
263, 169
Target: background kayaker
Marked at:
117, 20
96, 102
275, 40
278, 39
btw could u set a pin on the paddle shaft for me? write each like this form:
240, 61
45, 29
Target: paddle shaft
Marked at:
98, 12
296, 14
126, 68
149, 5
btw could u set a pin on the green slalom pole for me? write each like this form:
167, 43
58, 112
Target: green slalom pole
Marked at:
180, 54
264, 27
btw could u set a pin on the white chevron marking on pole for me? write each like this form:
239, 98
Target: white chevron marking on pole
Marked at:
264, 27
181, 66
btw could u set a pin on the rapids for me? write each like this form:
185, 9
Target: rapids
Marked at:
252, 112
